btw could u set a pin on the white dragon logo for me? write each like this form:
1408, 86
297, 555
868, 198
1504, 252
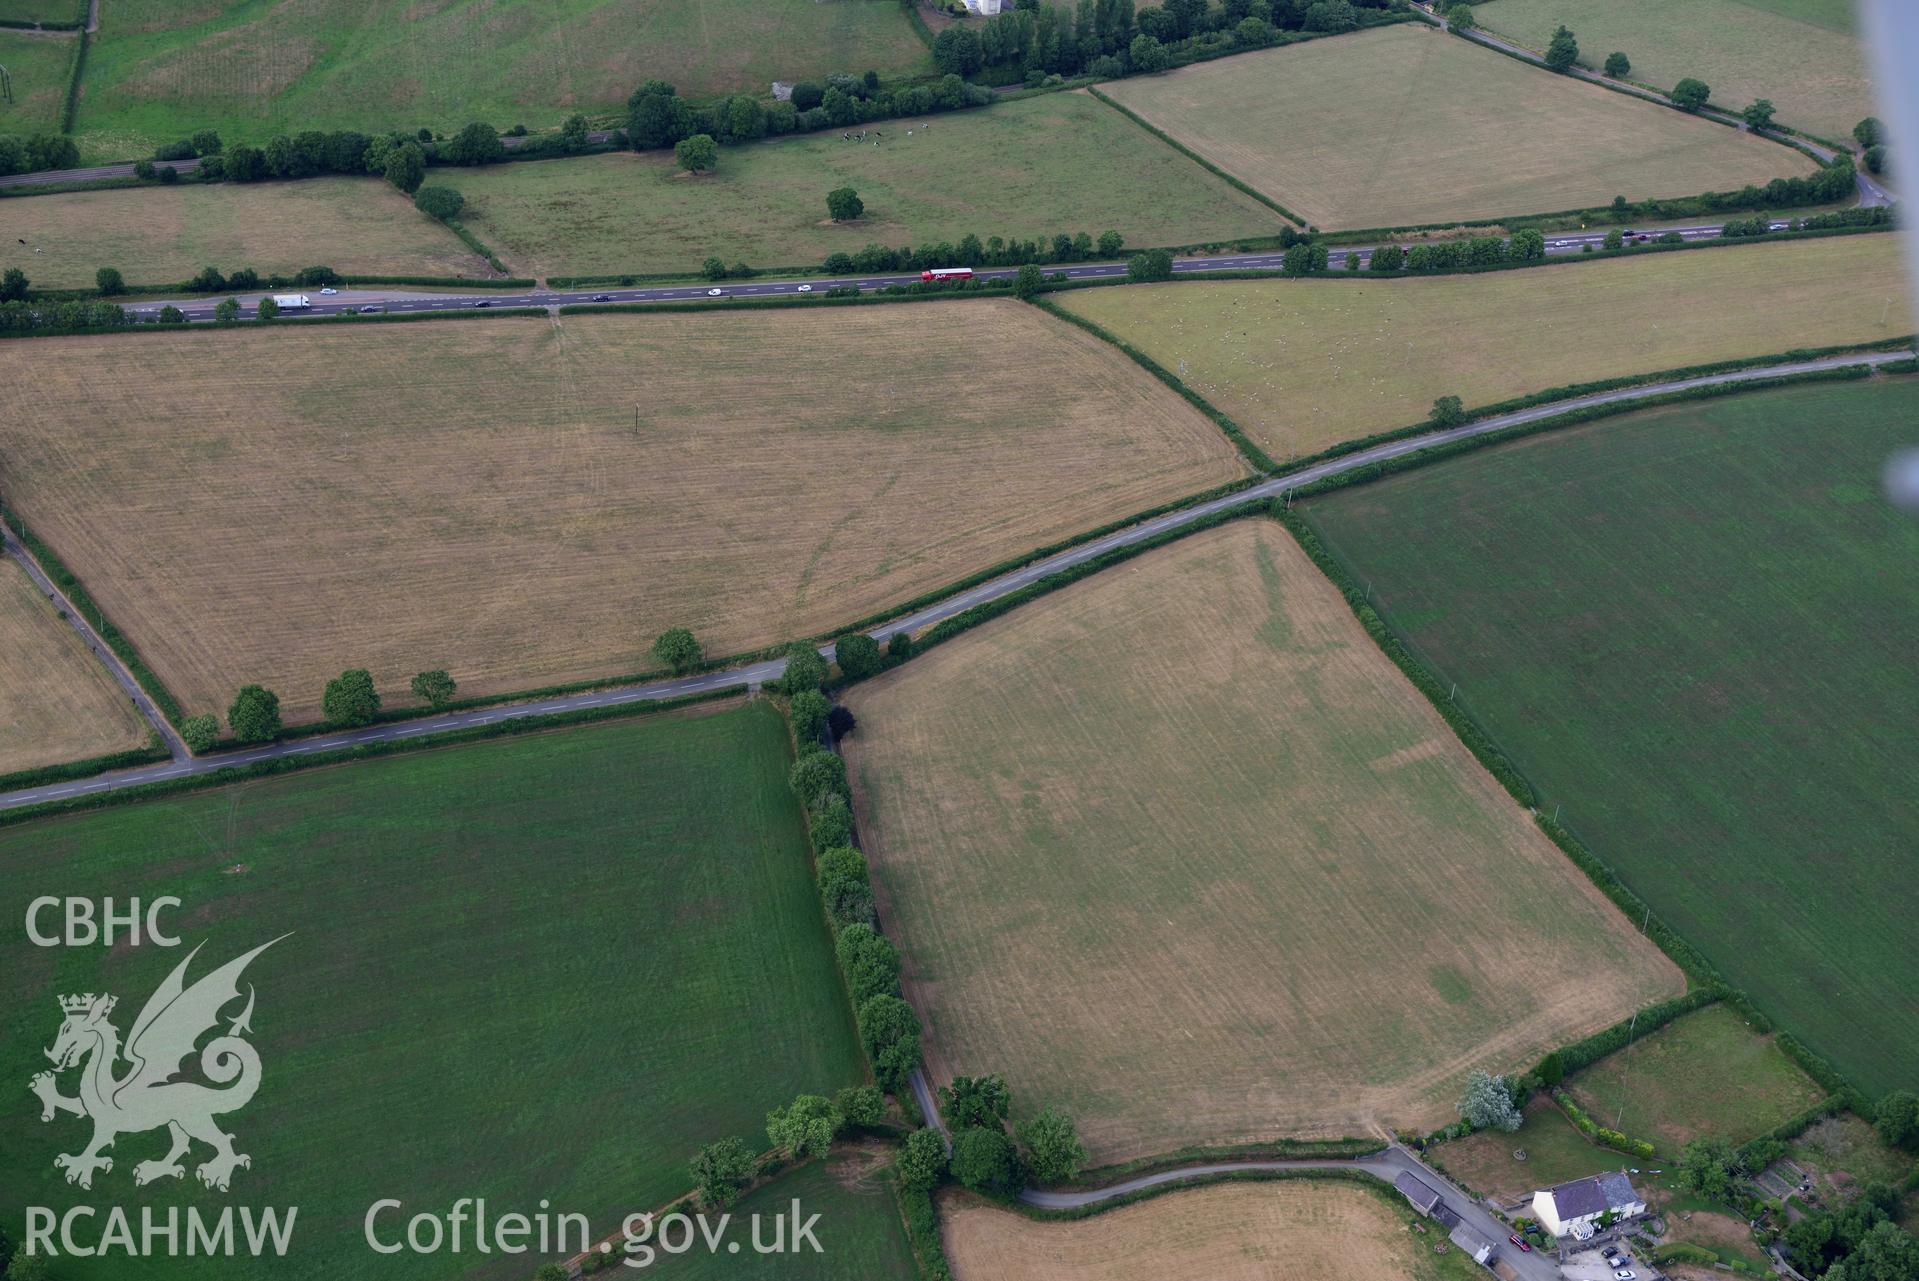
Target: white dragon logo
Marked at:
147, 1096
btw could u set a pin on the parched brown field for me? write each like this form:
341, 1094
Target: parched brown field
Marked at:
1180, 850
1304, 364
1404, 126
164, 235
275, 506
1330, 1231
57, 703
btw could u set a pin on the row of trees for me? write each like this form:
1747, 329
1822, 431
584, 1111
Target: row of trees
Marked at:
658, 117
349, 699
399, 157
1108, 38
18, 316
1870, 134
971, 251
37, 151
1562, 54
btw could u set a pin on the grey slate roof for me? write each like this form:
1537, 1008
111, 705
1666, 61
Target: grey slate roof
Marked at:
1423, 1196
1596, 1195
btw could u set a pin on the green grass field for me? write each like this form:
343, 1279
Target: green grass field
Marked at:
39, 65
1802, 54
1705, 1073
546, 966
766, 205
861, 1234
164, 235
1404, 125
252, 68
1691, 627
43, 10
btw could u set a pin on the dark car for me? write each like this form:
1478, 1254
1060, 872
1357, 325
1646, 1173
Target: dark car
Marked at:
484, 302
371, 308
602, 297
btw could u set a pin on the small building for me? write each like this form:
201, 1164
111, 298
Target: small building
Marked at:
985, 7
1476, 1246
1575, 1209
1415, 1189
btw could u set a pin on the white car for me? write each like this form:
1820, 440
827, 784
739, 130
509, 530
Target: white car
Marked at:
329, 290
714, 293
1625, 1274
1560, 244
806, 289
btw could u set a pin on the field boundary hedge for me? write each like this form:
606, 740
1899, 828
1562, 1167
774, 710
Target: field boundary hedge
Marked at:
145, 294
1658, 97
1589, 1050
76, 592
823, 834
1792, 1127
1550, 260
1597, 1134
71, 107
362, 751
1330, 1173
284, 320
1572, 391
26, 24
1269, 1150
1687, 957
1237, 184
1485, 750
474, 243
1637, 211
923, 1234
1260, 460
66, 771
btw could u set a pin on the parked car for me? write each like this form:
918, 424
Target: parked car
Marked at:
1518, 1241
1625, 1274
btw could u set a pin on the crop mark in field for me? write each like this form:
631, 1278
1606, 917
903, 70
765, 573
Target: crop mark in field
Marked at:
1136, 856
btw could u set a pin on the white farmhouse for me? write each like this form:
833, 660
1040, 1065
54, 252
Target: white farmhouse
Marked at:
1574, 1209
987, 7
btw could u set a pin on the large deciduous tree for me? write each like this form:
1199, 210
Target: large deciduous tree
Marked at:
254, 715
1053, 1150
844, 204
805, 1127
1691, 94
1487, 1103
350, 698
720, 1170
1562, 51
676, 649
434, 688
